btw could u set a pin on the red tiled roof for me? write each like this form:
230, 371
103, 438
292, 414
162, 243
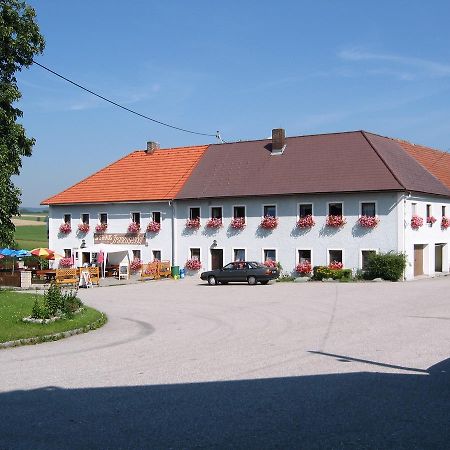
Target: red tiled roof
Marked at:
136, 177
435, 161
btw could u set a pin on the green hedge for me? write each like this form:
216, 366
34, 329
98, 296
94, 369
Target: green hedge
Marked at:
388, 266
321, 272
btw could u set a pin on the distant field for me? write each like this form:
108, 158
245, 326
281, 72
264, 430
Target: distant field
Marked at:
32, 236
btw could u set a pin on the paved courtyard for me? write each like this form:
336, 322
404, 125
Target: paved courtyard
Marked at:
185, 365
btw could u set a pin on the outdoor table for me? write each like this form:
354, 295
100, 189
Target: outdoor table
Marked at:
49, 274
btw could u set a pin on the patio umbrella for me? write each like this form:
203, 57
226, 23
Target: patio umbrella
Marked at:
44, 253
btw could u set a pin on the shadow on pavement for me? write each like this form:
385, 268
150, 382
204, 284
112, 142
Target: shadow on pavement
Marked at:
354, 410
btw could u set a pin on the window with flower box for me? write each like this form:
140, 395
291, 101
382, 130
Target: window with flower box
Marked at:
156, 216
413, 209
335, 209
270, 254
239, 254
136, 254
270, 210
443, 211
67, 218
335, 256
103, 218
216, 212
368, 209
156, 255
304, 210
195, 253
304, 256
85, 218
238, 212
194, 213
365, 254
67, 253
136, 217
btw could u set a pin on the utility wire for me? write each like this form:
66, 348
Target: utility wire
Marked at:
216, 135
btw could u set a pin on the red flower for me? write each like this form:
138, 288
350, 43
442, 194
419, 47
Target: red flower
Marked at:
153, 227
304, 268
445, 223
368, 221
335, 221
306, 222
193, 264
270, 263
336, 265
193, 223
238, 223
65, 262
416, 222
134, 227
101, 227
136, 264
269, 222
431, 219
65, 228
83, 227
214, 223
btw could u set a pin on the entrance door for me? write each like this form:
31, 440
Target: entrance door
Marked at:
85, 258
438, 257
216, 258
418, 260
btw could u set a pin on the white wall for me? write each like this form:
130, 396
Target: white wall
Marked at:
286, 238
118, 221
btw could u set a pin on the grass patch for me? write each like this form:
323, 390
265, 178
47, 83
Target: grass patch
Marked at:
15, 305
29, 237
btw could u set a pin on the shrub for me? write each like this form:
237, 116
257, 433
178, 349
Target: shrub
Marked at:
321, 272
389, 266
56, 302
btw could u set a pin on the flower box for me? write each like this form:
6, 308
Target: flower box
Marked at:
238, 223
65, 262
304, 268
335, 221
134, 227
83, 227
193, 223
193, 264
269, 222
416, 222
271, 263
153, 227
136, 264
306, 222
214, 223
336, 265
101, 227
65, 228
445, 223
431, 220
368, 221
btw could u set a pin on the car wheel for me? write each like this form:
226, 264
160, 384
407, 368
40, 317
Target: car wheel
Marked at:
264, 282
212, 280
251, 280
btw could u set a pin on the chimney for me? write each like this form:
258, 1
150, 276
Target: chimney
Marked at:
151, 147
278, 141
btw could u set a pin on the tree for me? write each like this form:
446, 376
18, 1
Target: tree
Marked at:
20, 40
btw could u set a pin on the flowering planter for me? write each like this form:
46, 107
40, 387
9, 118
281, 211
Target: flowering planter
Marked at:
335, 265
304, 269
65, 262
431, 220
270, 263
193, 224
368, 221
101, 227
238, 223
269, 222
214, 223
153, 227
65, 228
193, 264
445, 223
416, 222
335, 221
306, 222
134, 228
83, 227
136, 264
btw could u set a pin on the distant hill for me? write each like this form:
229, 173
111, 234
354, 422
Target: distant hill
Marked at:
28, 209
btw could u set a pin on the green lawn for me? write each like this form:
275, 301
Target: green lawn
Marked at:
29, 237
40, 218
15, 305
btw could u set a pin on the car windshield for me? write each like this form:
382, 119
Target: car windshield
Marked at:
229, 267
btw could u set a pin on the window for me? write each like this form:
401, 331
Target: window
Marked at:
443, 211
270, 255
239, 212
195, 253
85, 218
67, 253
270, 210
216, 212
67, 218
136, 254
368, 209
156, 216
304, 256
413, 209
194, 213
103, 218
335, 209
136, 217
156, 255
365, 257
305, 209
335, 255
239, 254
428, 210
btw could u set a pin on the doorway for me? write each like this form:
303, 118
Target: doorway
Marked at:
85, 258
216, 258
418, 260
438, 257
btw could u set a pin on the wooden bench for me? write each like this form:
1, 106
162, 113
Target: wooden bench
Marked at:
164, 269
67, 276
150, 271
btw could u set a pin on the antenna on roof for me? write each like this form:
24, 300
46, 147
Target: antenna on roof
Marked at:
221, 141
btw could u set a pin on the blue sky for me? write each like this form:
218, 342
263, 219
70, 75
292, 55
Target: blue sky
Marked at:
239, 67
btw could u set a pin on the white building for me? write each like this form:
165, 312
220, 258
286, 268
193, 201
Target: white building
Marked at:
348, 175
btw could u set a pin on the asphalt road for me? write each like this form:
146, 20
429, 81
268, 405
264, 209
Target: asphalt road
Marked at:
183, 365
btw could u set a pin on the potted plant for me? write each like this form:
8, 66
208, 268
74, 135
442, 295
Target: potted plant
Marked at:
101, 227
65, 228
336, 265
136, 264
193, 264
83, 227
271, 263
445, 223
134, 227
368, 221
193, 223
304, 269
431, 220
269, 222
238, 223
65, 262
153, 227
214, 223
416, 222
306, 222
335, 221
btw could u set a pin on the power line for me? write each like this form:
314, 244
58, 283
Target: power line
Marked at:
216, 135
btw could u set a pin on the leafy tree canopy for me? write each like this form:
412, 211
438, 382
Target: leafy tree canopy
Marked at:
20, 40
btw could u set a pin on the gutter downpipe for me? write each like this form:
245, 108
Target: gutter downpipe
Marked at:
174, 234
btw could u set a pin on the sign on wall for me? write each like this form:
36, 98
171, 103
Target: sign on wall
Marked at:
119, 238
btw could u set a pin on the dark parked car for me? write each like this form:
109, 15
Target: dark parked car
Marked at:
251, 272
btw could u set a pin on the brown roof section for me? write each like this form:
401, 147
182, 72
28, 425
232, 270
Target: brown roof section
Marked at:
435, 161
338, 162
136, 177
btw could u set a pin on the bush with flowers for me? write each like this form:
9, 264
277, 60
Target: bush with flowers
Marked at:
83, 227
306, 222
269, 222
238, 223
134, 227
325, 272
368, 221
416, 222
153, 227
335, 265
193, 264
193, 223
445, 223
271, 263
101, 227
214, 223
304, 268
335, 221
65, 262
65, 228
431, 220
136, 264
